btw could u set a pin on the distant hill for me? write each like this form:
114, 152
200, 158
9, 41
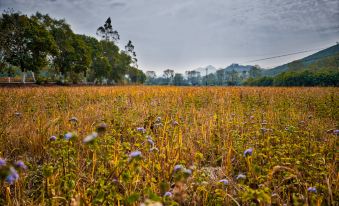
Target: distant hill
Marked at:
324, 59
237, 68
210, 69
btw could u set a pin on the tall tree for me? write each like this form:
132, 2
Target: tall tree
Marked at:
107, 32
150, 77
178, 79
25, 42
129, 49
73, 57
168, 75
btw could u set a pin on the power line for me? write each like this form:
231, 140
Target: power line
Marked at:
283, 55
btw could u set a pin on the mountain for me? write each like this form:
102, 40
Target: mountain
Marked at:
324, 59
210, 69
237, 68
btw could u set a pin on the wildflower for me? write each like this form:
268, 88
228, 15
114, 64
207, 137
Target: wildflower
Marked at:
150, 141
241, 176
12, 176
90, 137
2, 162
175, 123
224, 181
154, 149
188, 172
168, 194
158, 119
157, 125
101, 128
68, 135
141, 129
135, 154
52, 138
178, 167
312, 189
336, 131
73, 120
21, 165
248, 152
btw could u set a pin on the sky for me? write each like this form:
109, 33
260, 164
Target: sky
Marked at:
187, 34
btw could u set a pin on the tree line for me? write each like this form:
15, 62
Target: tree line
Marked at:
298, 78
221, 77
49, 50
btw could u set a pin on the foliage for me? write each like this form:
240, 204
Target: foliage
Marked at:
299, 78
25, 42
36, 42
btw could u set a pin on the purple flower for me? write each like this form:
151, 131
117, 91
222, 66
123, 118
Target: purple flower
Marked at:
101, 128
141, 129
52, 138
168, 194
188, 172
312, 189
73, 120
336, 131
178, 167
248, 152
135, 154
154, 149
68, 135
241, 176
2, 162
90, 137
150, 141
20, 164
224, 181
12, 176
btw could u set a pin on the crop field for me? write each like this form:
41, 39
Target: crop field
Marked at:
139, 145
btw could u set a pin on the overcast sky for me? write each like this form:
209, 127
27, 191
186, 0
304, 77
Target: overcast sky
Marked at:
186, 34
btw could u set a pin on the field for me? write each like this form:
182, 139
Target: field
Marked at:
169, 145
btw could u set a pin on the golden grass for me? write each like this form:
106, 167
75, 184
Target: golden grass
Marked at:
286, 127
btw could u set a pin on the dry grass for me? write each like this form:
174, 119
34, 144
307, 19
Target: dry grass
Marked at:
286, 127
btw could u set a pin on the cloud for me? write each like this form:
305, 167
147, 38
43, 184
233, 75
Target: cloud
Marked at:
186, 34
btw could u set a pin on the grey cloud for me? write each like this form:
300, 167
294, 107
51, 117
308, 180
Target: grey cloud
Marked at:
182, 35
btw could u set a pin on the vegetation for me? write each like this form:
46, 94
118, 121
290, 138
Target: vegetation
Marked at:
298, 78
171, 145
327, 59
49, 48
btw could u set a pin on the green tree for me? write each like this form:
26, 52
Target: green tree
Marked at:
129, 49
150, 77
107, 32
25, 42
178, 79
73, 57
168, 75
